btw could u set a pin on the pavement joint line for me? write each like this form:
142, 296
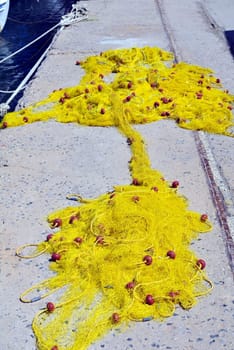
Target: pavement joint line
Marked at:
230, 220
220, 193
217, 197
211, 21
219, 178
168, 30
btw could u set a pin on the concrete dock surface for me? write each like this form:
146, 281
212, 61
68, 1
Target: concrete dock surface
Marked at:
41, 163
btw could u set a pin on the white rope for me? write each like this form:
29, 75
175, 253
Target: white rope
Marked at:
77, 14
28, 76
29, 44
10, 91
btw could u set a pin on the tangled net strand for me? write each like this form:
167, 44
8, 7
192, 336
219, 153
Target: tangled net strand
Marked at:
125, 256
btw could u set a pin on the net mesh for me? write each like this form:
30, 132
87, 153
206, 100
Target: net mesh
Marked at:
125, 256
148, 83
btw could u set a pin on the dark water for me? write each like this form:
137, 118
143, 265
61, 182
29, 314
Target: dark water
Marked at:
229, 34
27, 20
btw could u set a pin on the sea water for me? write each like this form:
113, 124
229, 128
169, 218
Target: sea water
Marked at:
27, 20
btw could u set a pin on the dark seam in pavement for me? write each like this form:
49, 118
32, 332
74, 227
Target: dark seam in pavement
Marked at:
218, 201
213, 187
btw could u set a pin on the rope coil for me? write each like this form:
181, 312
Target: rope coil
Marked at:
77, 13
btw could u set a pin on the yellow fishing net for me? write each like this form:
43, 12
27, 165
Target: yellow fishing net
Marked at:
125, 256
148, 84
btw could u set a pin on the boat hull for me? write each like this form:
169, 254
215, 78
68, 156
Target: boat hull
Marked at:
4, 8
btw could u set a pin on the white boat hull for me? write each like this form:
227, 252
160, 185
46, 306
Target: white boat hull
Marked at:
4, 8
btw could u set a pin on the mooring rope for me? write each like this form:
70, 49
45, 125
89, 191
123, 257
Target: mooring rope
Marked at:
77, 14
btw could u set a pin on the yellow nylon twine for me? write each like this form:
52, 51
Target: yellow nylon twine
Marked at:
125, 256
148, 83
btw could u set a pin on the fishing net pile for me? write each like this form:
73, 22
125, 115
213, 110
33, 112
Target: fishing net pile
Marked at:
148, 83
125, 256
